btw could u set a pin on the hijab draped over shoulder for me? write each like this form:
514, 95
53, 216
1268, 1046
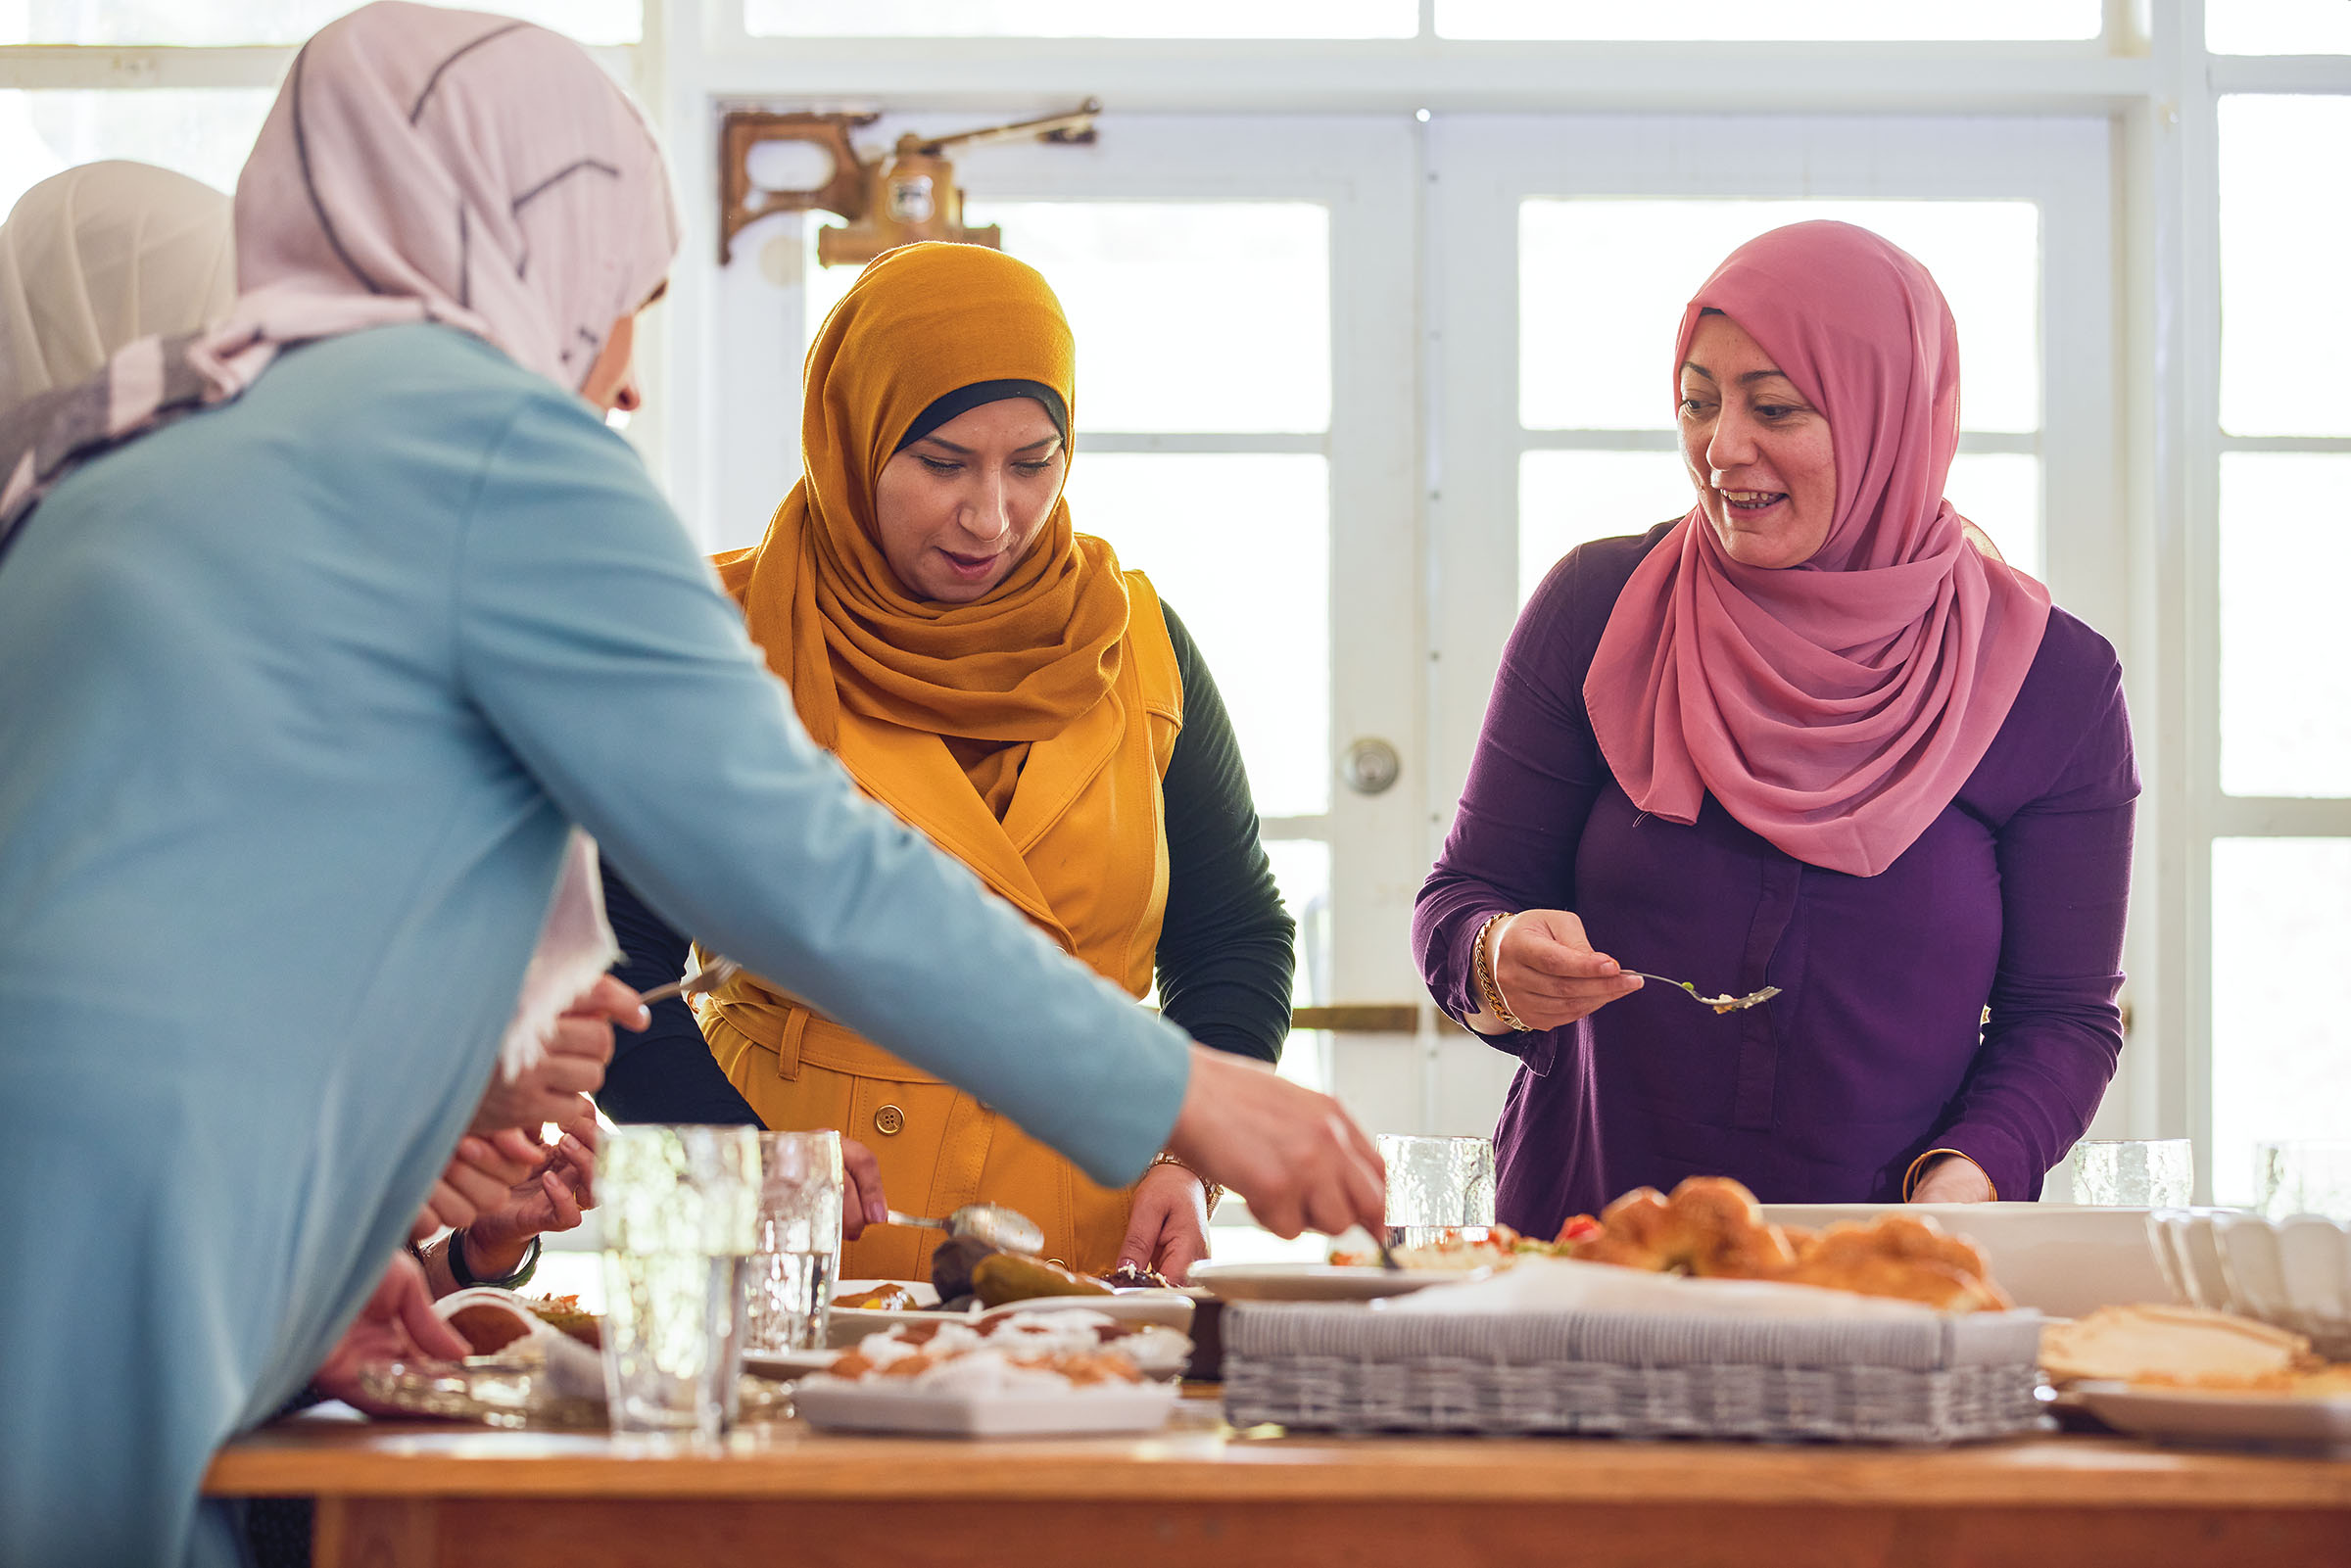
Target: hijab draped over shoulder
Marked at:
102, 255
1025, 732
1836, 708
419, 165
1013, 667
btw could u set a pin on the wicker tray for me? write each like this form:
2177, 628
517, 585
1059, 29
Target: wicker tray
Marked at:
1360, 1369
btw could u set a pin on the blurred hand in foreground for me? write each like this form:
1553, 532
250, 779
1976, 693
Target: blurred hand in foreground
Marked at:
1295, 1154
397, 1324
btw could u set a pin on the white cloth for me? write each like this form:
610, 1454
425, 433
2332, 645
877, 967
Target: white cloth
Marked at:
99, 257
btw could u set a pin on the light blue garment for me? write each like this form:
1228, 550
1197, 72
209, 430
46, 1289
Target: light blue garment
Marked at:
297, 698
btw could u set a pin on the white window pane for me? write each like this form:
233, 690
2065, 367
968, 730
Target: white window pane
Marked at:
2281, 1051
1302, 866
1083, 19
1568, 497
2285, 668
273, 21
1158, 295
1603, 280
205, 132
2282, 248
2278, 26
2000, 492
1192, 521
1692, 21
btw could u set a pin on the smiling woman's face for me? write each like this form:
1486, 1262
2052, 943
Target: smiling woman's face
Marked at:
957, 509
1756, 449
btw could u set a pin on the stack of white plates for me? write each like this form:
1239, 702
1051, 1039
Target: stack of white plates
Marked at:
2295, 1274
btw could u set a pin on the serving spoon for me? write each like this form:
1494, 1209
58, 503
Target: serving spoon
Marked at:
1721, 1004
1007, 1230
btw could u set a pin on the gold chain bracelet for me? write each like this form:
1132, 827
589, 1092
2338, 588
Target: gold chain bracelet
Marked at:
1488, 987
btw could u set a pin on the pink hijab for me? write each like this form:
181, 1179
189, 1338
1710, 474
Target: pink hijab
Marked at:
1836, 708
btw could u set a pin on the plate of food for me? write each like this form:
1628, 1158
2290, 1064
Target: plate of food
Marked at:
2188, 1374
2311, 1411
1318, 1282
1019, 1374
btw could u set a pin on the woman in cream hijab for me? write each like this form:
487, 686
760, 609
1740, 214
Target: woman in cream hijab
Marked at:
102, 255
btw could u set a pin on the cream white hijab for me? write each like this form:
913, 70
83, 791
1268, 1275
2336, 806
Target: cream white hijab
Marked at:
99, 257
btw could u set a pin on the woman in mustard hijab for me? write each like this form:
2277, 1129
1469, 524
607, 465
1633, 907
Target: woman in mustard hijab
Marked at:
994, 678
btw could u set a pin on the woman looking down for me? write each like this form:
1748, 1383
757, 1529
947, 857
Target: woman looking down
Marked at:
998, 681
1809, 735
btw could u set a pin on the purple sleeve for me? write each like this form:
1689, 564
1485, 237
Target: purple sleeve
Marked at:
2055, 1030
1531, 784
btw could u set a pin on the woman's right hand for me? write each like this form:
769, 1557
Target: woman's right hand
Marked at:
1548, 972
1295, 1154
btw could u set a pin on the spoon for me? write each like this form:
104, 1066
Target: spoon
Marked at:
709, 978
1721, 1004
1007, 1230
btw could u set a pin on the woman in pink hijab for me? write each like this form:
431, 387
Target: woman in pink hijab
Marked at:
1815, 737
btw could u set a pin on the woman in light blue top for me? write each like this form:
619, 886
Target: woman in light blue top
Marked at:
301, 695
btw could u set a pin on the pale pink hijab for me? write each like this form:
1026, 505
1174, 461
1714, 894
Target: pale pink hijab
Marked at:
1836, 708
419, 165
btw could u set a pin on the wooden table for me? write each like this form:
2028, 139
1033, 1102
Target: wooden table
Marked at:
405, 1496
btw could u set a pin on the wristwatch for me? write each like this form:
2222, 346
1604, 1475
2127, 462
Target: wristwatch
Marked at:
1216, 1194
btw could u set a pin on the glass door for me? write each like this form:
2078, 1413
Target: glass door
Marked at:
1243, 296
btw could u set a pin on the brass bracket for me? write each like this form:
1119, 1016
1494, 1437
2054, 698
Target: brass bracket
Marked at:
745, 128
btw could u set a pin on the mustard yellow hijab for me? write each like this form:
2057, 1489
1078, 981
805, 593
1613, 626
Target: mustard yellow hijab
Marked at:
820, 599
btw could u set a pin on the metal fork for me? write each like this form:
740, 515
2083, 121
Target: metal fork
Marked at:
709, 978
1720, 1004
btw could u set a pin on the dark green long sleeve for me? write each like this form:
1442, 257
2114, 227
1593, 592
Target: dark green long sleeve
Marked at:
1226, 947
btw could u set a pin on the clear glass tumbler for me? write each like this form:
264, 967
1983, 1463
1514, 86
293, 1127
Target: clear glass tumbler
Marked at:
680, 1208
2134, 1173
2306, 1177
1437, 1186
800, 1240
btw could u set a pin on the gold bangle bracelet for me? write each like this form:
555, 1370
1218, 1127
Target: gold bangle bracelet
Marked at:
1216, 1194
1482, 967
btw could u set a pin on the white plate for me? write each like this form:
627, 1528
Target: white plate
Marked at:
784, 1366
858, 1407
1169, 1309
2065, 1258
2202, 1416
1318, 1282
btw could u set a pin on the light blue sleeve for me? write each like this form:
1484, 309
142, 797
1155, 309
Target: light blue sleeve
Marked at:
599, 644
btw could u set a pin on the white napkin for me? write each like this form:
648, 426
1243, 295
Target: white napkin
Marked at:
1562, 1284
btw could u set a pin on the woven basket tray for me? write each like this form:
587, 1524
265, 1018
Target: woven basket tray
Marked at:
1362, 1370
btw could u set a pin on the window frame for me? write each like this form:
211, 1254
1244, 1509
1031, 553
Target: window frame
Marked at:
2149, 75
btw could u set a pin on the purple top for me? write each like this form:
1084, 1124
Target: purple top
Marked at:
1875, 1050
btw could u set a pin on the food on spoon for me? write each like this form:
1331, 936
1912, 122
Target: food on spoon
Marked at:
952, 1261
1002, 1278
890, 1297
2180, 1347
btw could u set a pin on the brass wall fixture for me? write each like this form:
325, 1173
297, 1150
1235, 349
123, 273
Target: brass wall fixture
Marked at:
908, 195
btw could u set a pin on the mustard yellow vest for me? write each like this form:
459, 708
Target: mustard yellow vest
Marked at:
1083, 852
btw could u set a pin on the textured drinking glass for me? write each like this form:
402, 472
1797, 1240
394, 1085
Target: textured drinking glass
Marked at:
2134, 1173
1437, 1185
800, 1240
2305, 1176
681, 1210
